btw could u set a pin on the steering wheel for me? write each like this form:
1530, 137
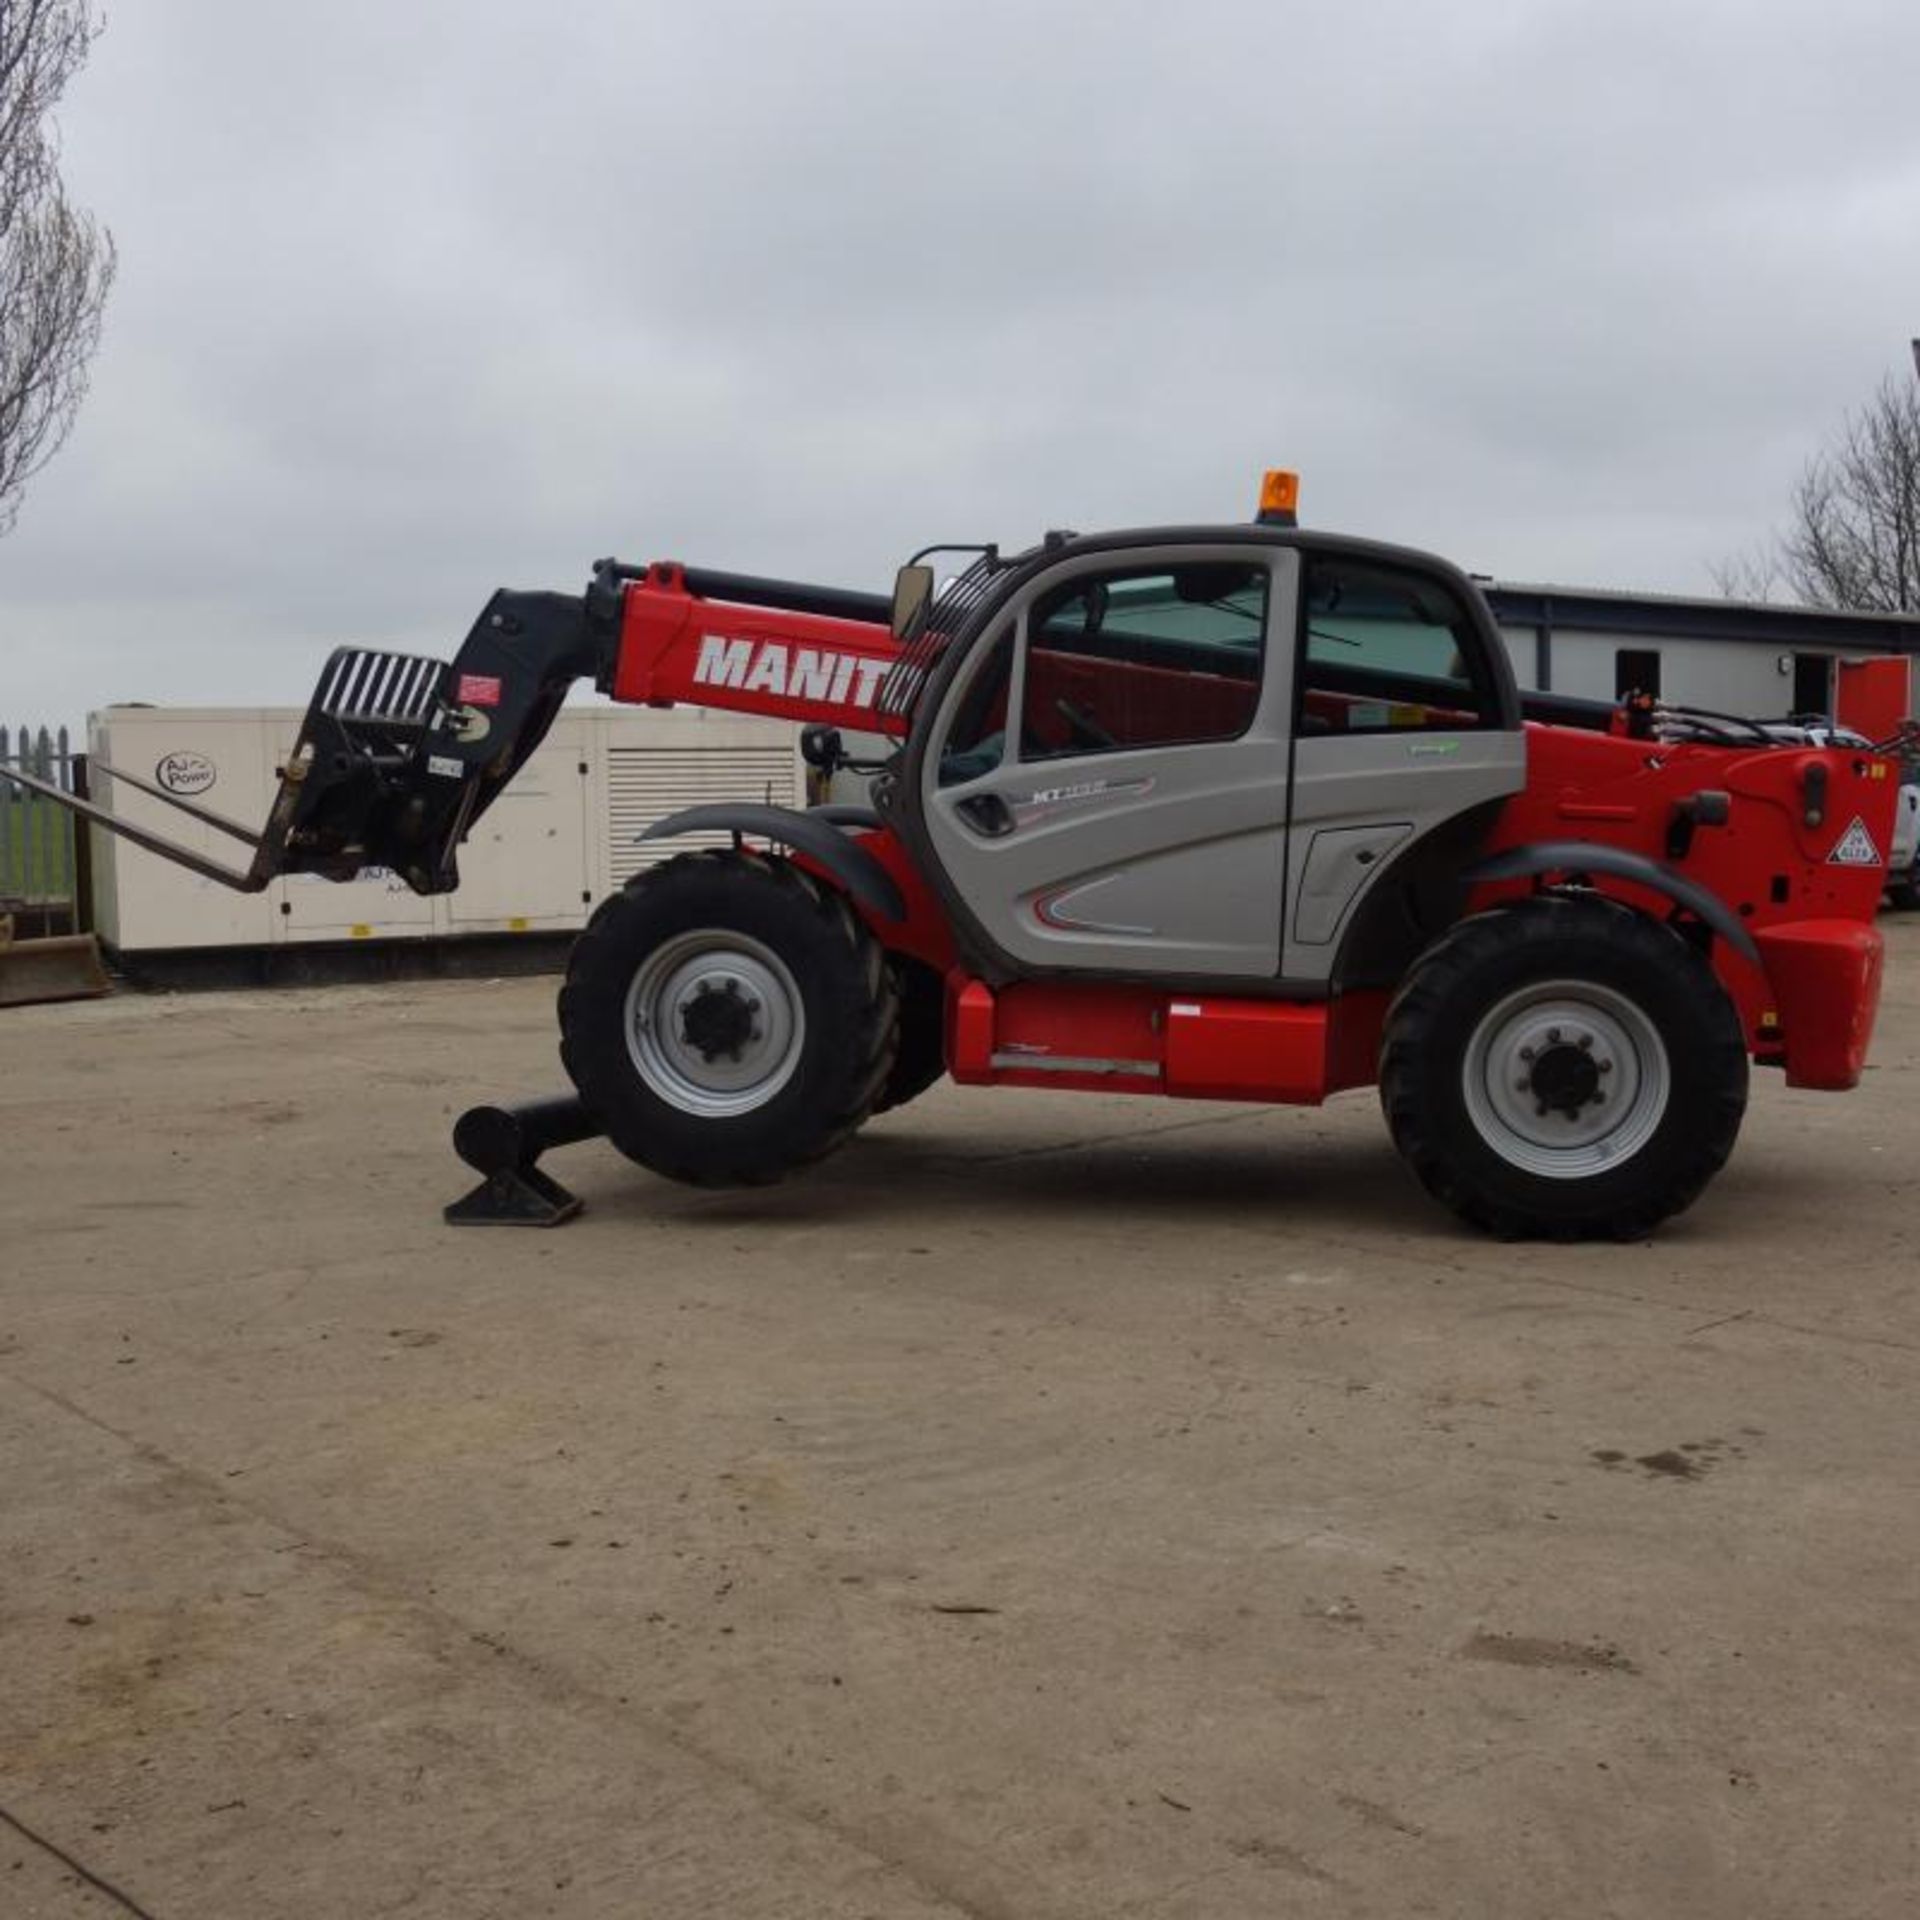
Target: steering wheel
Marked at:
1083, 729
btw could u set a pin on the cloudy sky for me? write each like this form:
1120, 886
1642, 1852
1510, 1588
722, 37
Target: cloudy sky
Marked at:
421, 297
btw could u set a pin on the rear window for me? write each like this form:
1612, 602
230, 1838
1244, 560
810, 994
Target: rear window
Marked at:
1385, 648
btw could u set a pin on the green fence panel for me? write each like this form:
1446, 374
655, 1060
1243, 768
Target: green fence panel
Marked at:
37, 853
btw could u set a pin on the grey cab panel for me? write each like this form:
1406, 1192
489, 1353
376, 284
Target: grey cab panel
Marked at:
1109, 775
1198, 757
1339, 863
1359, 805
1406, 720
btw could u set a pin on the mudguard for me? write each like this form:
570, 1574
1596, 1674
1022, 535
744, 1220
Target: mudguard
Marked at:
819, 839
1583, 856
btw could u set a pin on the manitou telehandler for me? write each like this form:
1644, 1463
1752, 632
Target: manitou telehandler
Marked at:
1225, 812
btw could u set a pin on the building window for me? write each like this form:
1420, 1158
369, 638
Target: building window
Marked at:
1636, 670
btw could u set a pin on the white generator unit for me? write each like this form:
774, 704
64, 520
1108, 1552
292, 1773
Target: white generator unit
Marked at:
557, 841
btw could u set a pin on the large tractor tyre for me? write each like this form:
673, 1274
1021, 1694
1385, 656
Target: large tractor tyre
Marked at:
1563, 1069
727, 1019
922, 1056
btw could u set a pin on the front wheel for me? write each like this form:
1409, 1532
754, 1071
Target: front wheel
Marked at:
727, 1019
1564, 1069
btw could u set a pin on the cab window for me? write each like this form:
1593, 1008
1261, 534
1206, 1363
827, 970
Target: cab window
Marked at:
977, 735
1147, 657
1385, 648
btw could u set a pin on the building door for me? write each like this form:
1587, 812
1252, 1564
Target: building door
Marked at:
1813, 683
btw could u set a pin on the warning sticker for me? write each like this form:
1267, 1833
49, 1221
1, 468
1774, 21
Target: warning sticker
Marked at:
478, 690
444, 767
1855, 848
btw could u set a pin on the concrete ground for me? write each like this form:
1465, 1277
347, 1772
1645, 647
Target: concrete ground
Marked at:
1052, 1507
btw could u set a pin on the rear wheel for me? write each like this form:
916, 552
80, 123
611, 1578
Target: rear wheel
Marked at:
1904, 892
726, 1019
922, 1055
1565, 1069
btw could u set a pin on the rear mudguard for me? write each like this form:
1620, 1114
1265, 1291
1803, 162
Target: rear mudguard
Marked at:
1818, 979
1584, 856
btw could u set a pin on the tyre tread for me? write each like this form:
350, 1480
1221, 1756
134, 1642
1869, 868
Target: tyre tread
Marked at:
1714, 1067
604, 949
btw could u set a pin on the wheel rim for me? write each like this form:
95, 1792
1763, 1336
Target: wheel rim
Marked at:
714, 1023
1566, 1079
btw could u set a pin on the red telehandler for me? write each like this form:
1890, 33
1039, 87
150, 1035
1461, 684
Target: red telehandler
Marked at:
1238, 812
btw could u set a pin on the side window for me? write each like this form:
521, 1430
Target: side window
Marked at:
1385, 648
1154, 657
976, 740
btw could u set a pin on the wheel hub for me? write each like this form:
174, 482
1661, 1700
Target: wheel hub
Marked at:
718, 1021
1565, 1079
715, 1022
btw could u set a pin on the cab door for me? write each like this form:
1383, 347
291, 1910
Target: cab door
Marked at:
1106, 780
1406, 719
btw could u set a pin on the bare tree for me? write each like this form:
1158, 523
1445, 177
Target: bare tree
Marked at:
56, 265
1754, 575
1854, 537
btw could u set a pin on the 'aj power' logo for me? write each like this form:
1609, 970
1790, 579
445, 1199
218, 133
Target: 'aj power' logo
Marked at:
185, 773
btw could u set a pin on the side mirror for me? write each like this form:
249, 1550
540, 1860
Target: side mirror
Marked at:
820, 748
912, 596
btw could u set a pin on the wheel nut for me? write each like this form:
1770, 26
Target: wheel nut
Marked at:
1606, 1066
1553, 1036
1526, 1053
1586, 1043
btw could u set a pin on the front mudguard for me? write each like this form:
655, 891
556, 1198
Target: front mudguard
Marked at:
817, 834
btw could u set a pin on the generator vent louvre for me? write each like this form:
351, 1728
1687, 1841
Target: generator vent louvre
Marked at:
645, 784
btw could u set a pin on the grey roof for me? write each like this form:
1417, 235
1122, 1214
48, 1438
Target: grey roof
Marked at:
1611, 610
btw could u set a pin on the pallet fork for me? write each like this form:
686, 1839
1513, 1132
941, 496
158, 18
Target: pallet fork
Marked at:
398, 755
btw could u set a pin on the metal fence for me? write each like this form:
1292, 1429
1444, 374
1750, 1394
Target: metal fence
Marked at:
39, 878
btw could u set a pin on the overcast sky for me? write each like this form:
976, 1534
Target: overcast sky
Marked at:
421, 297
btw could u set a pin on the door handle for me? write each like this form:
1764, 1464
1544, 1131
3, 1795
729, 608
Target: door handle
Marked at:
986, 813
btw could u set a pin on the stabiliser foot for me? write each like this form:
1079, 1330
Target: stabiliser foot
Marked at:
504, 1143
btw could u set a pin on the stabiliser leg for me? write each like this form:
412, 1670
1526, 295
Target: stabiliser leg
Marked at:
503, 1143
